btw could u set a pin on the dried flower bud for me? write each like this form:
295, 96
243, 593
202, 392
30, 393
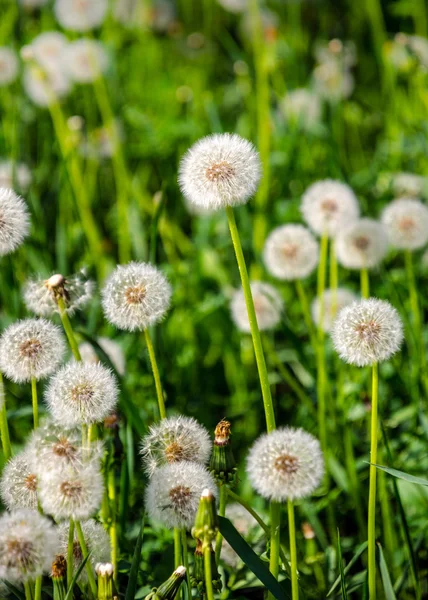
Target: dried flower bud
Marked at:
223, 463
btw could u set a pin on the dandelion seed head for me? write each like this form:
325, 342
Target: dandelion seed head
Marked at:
291, 252
174, 491
302, 107
220, 170
9, 66
81, 393
136, 296
362, 245
286, 464
27, 545
328, 205
18, 484
14, 221
45, 87
46, 49
80, 15
406, 221
367, 332
84, 60
175, 439
31, 348
110, 347
15, 175
408, 185
97, 541
268, 305
334, 301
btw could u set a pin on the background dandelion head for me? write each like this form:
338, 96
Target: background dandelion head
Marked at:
291, 252
362, 245
14, 221
9, 66
97, 541
18, 484
406, 221
268, 305
334, 301
80, 15
41, 295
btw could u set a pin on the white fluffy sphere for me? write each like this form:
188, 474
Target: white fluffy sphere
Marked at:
362, 244
18, 484
80, 15
84, 60
9, 66
291, 252
45, 87
334, 301
406, 221
268, 305
15, 173
14, 221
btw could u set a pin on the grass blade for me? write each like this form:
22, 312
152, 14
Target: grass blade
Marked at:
76, 576
403, 475
386, 579
15, 591
349, 566
342, 573
133, 573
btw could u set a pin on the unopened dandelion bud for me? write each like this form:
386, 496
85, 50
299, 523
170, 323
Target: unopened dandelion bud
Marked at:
105, 581
168, 590
206, 521
223, 463
59, 575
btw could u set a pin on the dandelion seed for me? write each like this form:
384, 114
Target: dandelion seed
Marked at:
81, 393
286, 464
136, 296
175, 439
18, 484
84, 60
27, 545
406, 221
268, 305
14, 221
14, 173
97, 541
329, 205
362, 244
9, 66
220, 170
174, 491
111, 348
333, 302
80, 15
31, 348
291, 252
367, 332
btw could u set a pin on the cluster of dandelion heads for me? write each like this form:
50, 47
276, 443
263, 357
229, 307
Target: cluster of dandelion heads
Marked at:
328, 205
73, 491
31, 348
112, 350
291, 252
136, 296
173, 440
84, 60
174, 491
362, 245
14, 174
286, 464
81, 393
41, 295
367, 332
18, 484
80, 15
333, 302
97, 542
9, 66
220, 170
406, 221
268, 305
28, 543
14, 221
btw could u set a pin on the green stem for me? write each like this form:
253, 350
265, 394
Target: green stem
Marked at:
321, 371
28, 592
4, 428
113, 523
304, 304
293, 553
372, 489
186, 560
177, 547
208, 573
35, 402
38, 588
275, 524
255, 333
221, 512
85, 553
334, 275
66, 323
365, 283
155, 369
416, 312
70, 554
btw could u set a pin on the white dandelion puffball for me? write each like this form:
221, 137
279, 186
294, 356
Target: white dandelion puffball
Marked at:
9, 66
175, 439
406, 221
291, 252
14, 221
174, 491
408, 185
220, 170
333, 81
31, 348
286, 464
81, 393
136, 296
46, 49
84, 60
362, 245
28, 543
367, 332
18, 484
14, 173
80, 15
268, 305
328, 205
40, 295
97, 541
71, 492
45, 87
334, 301
302, 107
111, 348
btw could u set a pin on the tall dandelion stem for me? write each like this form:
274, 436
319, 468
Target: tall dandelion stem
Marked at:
177, 547
28, 592
334, 273
321, 373
113, 524
156, 376
208, 573
35, 402
66, 323
186, 559
4, 428
38, 588
275, 524
293, 552
365, 283
84, 548
70, 553
372, 488
221, 512
255, 333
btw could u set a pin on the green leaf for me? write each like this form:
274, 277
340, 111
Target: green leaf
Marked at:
386, 579
250, 558
69, 594
15, 591
403, 475
133, 574
342, 573
349, 566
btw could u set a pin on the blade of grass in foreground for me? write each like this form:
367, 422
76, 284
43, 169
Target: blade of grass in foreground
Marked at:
386, 579
340, 563
69, 594
133, 574
349, 566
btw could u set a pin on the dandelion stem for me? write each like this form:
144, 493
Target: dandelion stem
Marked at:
4, 428
275, 524
66, 323
28, 592
84, 548
70, 554
293, 553
177, 548
365, 283
221, 512
255, 333
321, 374
372, 489
186, 560
155, 369
334, 275
113, 524
304, 304
208, 573
35, 402
417, 323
